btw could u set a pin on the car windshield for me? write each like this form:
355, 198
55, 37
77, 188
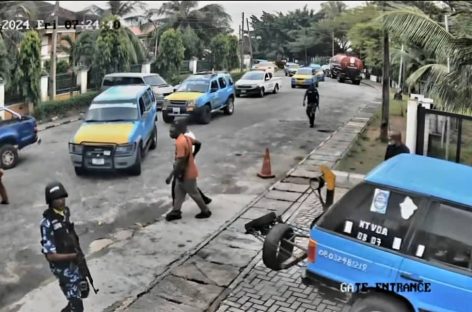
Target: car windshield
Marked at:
122, 81
194, 86
112, 113
304, 71
155, 80
253, 76
293, 66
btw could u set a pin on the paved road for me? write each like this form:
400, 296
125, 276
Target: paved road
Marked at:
231, 156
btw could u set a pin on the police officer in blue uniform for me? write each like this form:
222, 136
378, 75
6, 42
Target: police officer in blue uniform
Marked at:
59, 248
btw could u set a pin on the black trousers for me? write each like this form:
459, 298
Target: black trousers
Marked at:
310, 112
205, 198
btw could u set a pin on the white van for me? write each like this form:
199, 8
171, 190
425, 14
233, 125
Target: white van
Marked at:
160, 87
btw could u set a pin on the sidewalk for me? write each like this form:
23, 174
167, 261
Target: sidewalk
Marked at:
55, 122
229, 263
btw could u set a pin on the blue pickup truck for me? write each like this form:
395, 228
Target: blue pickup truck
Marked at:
200, 95
15, 134
118, 130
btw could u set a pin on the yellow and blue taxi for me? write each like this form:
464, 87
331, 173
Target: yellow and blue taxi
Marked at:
119, 128
304, 77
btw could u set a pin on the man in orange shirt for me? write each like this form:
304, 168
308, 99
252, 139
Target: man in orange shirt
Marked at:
185, 172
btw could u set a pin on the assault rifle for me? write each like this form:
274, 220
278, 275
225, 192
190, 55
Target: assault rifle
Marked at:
82, 264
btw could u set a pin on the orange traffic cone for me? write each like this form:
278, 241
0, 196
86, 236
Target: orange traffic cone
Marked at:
266, 172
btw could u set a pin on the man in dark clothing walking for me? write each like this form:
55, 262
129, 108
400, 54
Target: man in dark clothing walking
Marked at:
395, 146
313, 103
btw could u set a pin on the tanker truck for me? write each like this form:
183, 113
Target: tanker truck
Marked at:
344, 67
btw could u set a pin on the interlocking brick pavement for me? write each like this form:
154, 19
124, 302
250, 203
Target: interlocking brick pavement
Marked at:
264, 290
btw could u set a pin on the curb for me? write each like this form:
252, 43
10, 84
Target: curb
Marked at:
65, 122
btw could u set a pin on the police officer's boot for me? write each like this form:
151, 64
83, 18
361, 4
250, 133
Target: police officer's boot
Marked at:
66, 308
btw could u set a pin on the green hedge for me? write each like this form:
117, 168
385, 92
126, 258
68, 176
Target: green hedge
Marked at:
50, 109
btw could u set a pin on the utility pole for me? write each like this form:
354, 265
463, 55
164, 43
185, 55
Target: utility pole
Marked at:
400, 70
53, 52
385, 89
250, 41
240, 51
242, 42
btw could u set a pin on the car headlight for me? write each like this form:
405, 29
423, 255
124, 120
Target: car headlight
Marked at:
124, 149
165, 104
75, 148
191, 103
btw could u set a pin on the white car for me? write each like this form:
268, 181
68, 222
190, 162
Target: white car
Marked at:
158, 85
265, 66
257, 82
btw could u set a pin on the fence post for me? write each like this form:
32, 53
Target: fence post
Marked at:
2, 98
44, 87
193, 65
411, 124
146, 68
83, 80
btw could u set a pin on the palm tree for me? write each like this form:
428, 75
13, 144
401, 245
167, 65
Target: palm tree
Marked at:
451, 89
332, 9
123, 8
207, 21
10, 38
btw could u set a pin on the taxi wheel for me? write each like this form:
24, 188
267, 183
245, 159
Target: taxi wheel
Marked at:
229, 109
167, 118
154, 139
276, 249
276, 89
379, 302
8, 156
136, 168
205, 115
79, 171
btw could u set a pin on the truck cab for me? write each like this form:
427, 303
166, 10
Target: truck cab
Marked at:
15, 134
257, 82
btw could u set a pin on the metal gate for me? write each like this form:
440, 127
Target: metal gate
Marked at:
444, 135
66, 83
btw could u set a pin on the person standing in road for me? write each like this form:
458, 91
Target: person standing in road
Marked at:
313, 103
58, 247
395, 145
3, 190
185, 172
195, 149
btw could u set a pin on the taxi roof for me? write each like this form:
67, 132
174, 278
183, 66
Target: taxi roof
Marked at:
121, 93
425, 175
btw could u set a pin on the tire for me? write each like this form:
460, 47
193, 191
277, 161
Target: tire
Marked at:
379, 302
229, 109
340, 80
275, 251
136, 168
238, 95
205, 115
356, 82
293, 87
8, 156
263, 221
167, 118
262, 92
153, 144
276, 89
79, 171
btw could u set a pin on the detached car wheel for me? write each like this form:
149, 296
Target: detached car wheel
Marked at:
8, 156
229, 109
167, 118
276, 249
379, 302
